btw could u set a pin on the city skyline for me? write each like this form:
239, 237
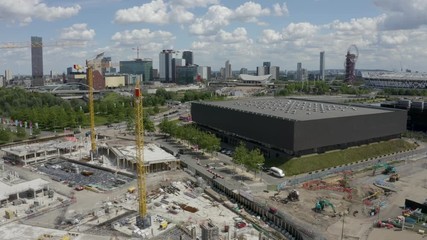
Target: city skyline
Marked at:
389, 33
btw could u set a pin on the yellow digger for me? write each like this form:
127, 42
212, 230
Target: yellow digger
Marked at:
163, 225
394, 177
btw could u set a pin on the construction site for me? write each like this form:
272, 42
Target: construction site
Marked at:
66, 197
353, 205
109, 186
112, 184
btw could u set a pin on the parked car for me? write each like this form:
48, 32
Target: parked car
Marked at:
240, 224
79, 188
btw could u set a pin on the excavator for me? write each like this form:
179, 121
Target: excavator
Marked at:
293, 196
321, 204
388, 169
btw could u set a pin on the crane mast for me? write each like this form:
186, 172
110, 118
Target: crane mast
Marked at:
89, 76
143, 220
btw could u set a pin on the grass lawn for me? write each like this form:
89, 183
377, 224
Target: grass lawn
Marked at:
298, 165
100, 120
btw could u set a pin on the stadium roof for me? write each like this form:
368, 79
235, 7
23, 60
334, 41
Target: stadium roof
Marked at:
262, 78
296, 110
404, 76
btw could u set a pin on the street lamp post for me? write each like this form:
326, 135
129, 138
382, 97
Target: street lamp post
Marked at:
342, 230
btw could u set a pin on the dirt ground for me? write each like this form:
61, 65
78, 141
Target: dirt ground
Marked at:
352, 215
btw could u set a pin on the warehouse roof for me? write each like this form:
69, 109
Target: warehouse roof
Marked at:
295, 109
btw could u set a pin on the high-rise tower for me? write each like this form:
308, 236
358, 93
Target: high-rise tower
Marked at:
322, 65
299, 71
37, 61
165, 64
266, 66
227, 72
188, 56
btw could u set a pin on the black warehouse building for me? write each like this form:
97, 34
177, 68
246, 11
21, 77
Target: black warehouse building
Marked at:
297, 127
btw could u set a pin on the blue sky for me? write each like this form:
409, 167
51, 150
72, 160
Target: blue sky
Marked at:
390, 34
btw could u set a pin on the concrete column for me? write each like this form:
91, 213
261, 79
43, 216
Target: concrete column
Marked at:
25, 159
35, 157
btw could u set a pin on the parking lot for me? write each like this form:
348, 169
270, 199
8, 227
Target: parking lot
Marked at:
81, 176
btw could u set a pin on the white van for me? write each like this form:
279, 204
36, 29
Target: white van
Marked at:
277, 172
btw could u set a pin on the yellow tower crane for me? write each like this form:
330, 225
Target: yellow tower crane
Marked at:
143, 220
90, 65
89, 76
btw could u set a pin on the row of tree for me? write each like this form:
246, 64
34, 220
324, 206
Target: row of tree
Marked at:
319, 88
53, 112
205, 141
251, 159
7, 135
406, 92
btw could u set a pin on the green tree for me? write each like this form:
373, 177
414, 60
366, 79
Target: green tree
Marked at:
240, 154
5, 135
255, 160
205, 141
156, 109
209, 142
148, 124
20, 132
36, 131
130, 124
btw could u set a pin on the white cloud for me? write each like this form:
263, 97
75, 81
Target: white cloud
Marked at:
408, 14
142, 37
181, 15
23, 11
395, 38
249, 11
270, 36
299, 30
280, 10
238, 35
219, 16
153, 12
160, 12
194, 3
78, 31
198, 45
357, 26
216, 17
